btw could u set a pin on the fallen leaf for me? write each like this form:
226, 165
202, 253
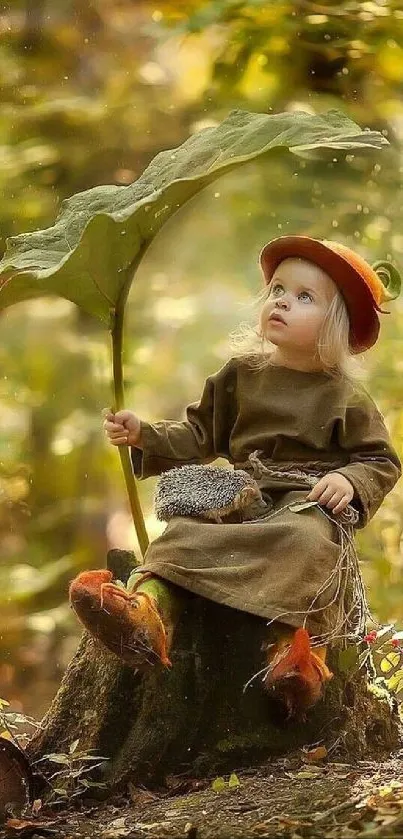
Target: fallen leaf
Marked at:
27, 827
141, 796
143, 826
218, 785
315, 754
116, 829
306, 773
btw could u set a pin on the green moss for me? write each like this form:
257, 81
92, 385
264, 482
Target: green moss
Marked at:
243, 741
168, 597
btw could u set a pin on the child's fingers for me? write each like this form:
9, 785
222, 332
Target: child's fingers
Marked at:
118, 438
107, 413
326, 495
317, 490
111, 420
113, 427
334, 500
341, 505
116, 433
120, 435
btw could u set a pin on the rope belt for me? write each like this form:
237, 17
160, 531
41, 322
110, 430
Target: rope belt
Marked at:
306, 470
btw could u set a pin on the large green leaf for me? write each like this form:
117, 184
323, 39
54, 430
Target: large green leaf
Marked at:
90, 253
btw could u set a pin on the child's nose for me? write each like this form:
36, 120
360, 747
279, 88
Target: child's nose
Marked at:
282, 302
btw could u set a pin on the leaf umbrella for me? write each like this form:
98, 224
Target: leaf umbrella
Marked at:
91, 254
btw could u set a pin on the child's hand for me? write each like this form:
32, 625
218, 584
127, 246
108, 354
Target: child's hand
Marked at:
334, 491
122, 428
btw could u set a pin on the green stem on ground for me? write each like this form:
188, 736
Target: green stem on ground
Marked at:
124, 453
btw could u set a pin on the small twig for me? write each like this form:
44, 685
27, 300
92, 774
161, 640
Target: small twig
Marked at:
338, 808
334, 745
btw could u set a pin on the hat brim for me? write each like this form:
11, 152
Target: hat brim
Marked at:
360, 303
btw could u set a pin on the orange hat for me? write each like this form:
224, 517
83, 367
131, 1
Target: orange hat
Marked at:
363, 287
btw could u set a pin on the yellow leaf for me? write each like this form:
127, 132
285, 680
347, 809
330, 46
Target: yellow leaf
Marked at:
395, 682
390, 661
218, 784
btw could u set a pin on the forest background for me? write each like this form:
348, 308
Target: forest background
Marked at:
89, 94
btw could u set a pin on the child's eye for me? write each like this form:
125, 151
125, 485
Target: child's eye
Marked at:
277, 289
304, 295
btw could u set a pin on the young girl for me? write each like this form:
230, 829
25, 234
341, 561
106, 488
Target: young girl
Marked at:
297, 406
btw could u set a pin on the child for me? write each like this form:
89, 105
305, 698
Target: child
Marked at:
295, 403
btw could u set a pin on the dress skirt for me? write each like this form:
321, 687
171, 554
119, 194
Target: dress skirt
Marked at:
280, 566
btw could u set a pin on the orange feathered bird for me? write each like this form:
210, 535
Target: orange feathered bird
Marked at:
296, 675
126, 623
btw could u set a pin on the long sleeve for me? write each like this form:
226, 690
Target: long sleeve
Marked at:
374, 466
200, 438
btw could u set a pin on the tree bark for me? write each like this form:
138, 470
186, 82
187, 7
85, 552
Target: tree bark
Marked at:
198, 717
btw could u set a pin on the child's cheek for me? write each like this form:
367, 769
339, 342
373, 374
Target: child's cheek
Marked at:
263, 317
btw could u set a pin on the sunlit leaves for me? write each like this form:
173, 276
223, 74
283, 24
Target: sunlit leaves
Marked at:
23, 582
336, 50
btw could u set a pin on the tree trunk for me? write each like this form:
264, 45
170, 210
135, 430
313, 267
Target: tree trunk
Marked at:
197, 716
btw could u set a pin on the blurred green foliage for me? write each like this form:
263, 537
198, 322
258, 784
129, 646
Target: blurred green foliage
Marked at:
89, 94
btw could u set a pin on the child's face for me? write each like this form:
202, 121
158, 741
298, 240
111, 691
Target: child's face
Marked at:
299, 296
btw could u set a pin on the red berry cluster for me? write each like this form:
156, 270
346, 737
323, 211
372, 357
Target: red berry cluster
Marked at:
371, 637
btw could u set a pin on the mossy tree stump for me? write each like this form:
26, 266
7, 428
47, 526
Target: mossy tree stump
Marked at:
197, 717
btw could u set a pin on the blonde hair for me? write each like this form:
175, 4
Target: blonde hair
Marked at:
336, 358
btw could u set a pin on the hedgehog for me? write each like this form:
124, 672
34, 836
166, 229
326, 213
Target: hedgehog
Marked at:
211, 492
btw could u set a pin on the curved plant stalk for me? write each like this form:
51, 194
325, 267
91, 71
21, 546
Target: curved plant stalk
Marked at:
118, 387
90, 254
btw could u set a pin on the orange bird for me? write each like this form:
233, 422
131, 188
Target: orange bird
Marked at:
126, 623
296, 675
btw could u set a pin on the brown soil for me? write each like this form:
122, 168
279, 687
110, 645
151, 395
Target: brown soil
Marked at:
288, 797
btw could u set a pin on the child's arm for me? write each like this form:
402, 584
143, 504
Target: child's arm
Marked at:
200, 438
374, 465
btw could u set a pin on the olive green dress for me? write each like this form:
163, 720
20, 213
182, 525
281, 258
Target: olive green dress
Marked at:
272, 567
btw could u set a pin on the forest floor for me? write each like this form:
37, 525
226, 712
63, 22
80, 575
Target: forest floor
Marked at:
287, 797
